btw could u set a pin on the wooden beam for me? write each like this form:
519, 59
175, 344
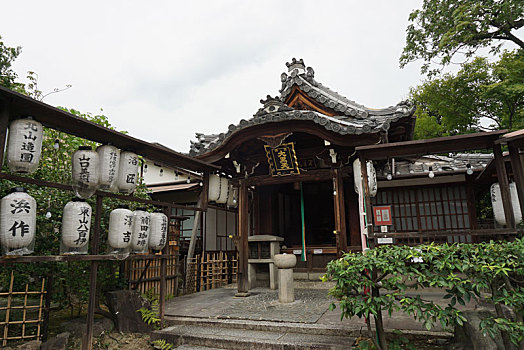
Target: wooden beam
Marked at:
243, 232
340, 212
458, 143
518, 172
311, 175
504, 186
296, 126
58, 119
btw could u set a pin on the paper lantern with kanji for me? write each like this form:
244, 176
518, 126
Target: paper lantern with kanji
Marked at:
76, 225
120, 226
108, 162
127, 172
140, 230
17, 222
24, 145
218, 188
85, 172
158, 231
372, 177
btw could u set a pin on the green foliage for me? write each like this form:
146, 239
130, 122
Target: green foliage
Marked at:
150, 315
465, 271
7, 75
162, 344
463, 102
443, 28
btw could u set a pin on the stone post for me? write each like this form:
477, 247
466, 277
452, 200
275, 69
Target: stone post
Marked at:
286, 289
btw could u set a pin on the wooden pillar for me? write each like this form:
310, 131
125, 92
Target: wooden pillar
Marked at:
340, 212
504, 186
163, 268
367, 201
4, 124
205, 191
95, 241
518, 173
243, 232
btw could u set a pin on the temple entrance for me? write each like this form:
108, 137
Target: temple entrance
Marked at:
279, 213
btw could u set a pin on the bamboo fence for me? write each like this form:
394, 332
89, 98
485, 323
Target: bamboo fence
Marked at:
30, 322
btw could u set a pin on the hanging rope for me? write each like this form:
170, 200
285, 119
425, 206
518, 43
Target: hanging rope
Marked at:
303, 255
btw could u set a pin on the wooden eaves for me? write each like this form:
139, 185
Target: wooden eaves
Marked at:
19, 105
483, 140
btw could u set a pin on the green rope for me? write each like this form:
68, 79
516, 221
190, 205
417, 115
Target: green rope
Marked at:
303, 255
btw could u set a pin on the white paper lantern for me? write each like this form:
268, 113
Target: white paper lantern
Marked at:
232, 198
498, 207
76, 224
158, 231
127, 172
85, 172
120, 226
372, 177
24, 145
140, 230
218, 189
108, 162
17, 222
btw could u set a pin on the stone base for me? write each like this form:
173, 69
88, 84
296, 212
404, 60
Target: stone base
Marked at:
286, 290
242, 294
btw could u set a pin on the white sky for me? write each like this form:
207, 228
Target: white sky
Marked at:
163, 70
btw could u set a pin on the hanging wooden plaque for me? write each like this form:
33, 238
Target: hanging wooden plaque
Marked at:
282, 159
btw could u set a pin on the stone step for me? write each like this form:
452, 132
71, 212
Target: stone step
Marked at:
214, 335
267, 326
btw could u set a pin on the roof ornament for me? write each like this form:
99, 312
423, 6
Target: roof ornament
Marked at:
310, 72
271, 105
296, 64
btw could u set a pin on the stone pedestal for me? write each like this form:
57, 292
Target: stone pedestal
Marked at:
286, 288
262, 248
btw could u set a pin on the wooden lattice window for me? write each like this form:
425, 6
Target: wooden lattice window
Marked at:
428, 208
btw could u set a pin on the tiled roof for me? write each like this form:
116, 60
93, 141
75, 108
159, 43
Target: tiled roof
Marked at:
354, 119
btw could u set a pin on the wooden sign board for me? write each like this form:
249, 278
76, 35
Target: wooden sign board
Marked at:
282, 159
382, 215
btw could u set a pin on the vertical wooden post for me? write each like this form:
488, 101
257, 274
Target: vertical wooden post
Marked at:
518, 173
205, 191
4, 124
367, 201
243, 228
504, 186
47, 307
87, 343
163, 266
340, 212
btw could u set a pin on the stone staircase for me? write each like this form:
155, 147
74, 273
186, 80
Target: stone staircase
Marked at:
203, 333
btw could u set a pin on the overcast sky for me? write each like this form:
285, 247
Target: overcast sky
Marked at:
163, 70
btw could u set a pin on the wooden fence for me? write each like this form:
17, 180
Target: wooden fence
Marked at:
211, 270
23, 313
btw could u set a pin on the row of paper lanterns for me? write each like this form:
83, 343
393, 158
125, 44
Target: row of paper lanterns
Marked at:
222, 191
107, 168
135, 231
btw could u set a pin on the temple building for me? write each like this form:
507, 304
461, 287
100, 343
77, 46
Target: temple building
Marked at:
296, 168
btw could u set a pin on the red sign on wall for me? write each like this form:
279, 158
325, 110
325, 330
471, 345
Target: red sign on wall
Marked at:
382, 215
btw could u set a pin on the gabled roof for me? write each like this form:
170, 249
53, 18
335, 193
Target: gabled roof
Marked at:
340, 115
304, 78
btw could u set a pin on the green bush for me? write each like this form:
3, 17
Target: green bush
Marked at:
378, 280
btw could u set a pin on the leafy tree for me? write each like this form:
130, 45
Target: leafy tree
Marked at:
481, 91
443, 28
7, 75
